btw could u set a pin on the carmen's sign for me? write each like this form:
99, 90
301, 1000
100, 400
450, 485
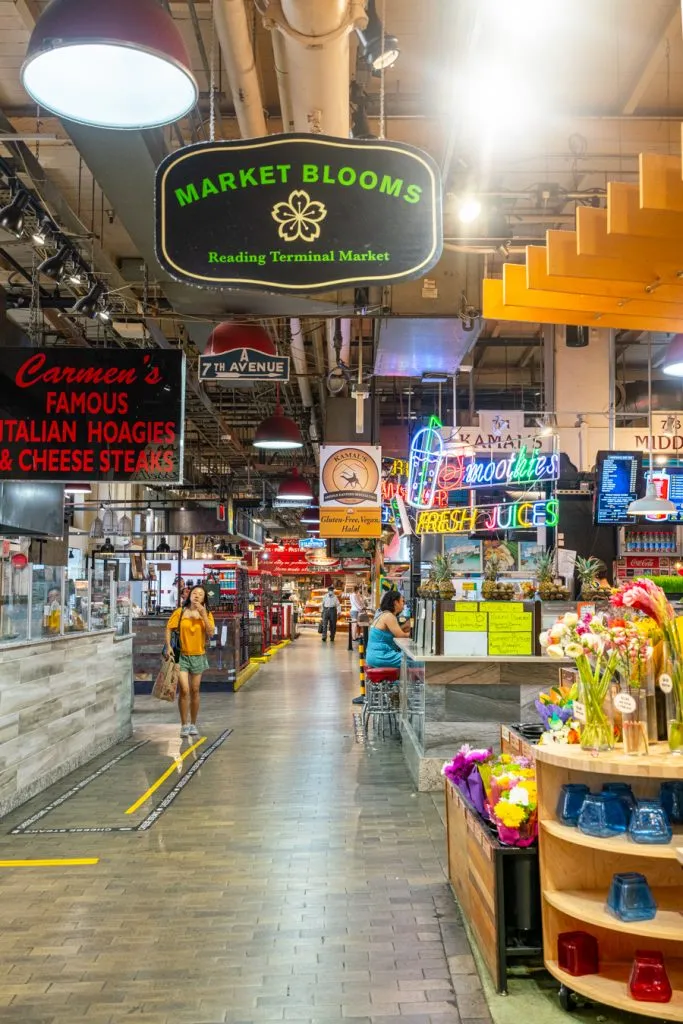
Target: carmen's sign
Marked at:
244, 364
84, 414
298, 213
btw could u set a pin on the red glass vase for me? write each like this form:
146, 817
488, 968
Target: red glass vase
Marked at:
577, 953
649, 982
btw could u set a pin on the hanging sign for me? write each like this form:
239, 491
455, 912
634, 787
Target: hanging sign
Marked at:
518, 515
244, 364
350, 490
82, 414
522, 467
298, 213
312, 544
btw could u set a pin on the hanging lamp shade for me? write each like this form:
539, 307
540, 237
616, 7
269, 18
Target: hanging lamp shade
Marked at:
97, 529
119, 64
673, 360
124, 527
278, 431
651, 504
295, 489
110, 521
311, 515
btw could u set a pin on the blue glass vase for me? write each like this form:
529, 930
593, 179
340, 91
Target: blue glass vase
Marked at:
570, 802
624, 794
630, 897
649, 823
602, 815
671, 799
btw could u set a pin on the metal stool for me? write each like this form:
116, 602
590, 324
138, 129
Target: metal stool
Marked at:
378, 702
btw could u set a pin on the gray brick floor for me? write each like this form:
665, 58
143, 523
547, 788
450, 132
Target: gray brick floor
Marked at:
297, 877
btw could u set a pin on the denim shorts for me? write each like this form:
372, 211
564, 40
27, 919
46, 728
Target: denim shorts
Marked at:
195, 664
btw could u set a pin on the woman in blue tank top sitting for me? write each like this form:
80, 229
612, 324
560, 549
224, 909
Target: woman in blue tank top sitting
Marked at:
383, 651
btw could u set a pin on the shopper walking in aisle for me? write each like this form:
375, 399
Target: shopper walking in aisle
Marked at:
195, 624
357, 607
329, 610
383, 651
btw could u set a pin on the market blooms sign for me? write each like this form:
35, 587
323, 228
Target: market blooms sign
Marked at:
298, 213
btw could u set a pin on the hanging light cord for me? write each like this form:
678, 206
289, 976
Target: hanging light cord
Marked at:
382, 71
212, 80
649, 398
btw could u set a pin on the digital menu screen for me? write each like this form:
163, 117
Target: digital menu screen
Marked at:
619, 481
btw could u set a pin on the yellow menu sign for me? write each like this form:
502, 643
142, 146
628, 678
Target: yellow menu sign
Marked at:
513, 644
465, 622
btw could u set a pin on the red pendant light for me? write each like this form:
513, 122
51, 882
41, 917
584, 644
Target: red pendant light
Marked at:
295, 489
110, 63
278, 431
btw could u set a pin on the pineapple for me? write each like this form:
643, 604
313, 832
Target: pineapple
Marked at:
548, 589
489, 586
587, 570
444, 570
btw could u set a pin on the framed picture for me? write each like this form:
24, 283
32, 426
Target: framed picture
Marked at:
529, 551
507, 552
138, 566
467, 553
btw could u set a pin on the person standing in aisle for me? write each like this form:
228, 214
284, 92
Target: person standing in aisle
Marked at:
195, 624
357, 607
329, 610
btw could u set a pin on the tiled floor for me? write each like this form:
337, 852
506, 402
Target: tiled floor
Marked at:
297, 876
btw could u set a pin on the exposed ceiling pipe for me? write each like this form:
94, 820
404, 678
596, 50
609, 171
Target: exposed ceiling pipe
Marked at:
314, 69
341, 339
232, 29
298, 353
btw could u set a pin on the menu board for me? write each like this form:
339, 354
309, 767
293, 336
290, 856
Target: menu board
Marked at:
619, 481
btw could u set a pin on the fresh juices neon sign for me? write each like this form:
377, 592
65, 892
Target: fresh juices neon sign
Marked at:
517, 515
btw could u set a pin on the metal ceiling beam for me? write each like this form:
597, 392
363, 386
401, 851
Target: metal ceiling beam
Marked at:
670, 28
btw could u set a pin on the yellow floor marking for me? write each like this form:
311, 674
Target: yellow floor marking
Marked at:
162, 778
68, 862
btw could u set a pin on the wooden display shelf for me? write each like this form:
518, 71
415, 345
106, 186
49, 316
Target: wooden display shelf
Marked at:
588, 906
610, 986
619, 845
577, 870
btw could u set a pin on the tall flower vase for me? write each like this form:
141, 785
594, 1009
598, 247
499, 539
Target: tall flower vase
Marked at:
595, 711
671, 684
631, 703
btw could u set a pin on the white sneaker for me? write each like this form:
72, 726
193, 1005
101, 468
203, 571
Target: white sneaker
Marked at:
185, 731
192, 729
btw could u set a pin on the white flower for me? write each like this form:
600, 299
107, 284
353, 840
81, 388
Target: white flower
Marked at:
571, 619
555, 650
544, 638
558, 630
519, 795
573, 650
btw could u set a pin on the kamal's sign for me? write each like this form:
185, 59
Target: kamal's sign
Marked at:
298, 213
350, 490
244, 364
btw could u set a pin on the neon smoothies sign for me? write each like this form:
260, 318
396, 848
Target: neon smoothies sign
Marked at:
517, 515
432, 473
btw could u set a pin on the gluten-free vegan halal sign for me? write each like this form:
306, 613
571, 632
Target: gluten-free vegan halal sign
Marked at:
84, 414
298, 213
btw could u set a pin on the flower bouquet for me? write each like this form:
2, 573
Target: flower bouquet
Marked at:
644, 596
557, 706
463, 773
511, 799
596, 650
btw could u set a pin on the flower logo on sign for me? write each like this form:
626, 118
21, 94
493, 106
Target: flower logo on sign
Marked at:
300, 217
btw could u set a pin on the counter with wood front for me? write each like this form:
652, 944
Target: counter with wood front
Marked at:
449, 700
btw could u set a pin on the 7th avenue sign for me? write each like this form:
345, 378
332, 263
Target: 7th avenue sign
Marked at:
244, 364
298, 213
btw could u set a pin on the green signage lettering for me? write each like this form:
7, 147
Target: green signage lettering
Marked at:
186, 195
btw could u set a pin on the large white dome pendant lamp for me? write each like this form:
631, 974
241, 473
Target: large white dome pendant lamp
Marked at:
110, 64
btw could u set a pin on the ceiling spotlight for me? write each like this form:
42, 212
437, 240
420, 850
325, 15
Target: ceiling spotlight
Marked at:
469, 209
104, 314
278, 431
75, 276
55, 266
545, 429
378, 56
673, 360
110, 66
87, 305
42, 231
12, 216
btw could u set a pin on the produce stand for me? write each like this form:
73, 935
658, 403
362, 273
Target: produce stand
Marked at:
576, 871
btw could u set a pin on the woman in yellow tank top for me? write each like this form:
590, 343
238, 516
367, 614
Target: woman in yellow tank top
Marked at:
195, 624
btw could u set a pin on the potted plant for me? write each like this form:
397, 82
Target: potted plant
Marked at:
444, 570
587, 570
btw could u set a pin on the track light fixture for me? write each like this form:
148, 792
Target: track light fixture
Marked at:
12, 216
380, 53
88, 304
55, 266
42, 231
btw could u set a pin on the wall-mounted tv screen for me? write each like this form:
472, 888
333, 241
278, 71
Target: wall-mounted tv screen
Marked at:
619, 481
